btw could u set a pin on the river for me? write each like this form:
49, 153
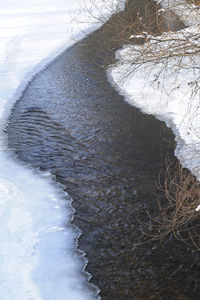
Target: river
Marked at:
108, 155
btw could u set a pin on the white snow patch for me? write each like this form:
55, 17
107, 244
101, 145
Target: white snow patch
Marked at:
198, 208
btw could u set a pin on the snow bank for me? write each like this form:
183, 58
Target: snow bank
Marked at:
161, 78
37, 259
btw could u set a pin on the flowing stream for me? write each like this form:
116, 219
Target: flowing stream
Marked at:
108, 155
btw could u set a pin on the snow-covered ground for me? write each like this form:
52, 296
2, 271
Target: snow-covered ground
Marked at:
37, 259
162, 77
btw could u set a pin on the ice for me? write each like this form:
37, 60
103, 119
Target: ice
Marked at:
37, 244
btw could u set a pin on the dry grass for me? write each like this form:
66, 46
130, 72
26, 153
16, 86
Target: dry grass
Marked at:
178, 214
183, 194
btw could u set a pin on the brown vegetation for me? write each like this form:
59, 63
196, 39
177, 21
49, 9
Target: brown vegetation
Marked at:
178, 214
196, 2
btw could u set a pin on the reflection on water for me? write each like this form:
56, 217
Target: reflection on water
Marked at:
108, 155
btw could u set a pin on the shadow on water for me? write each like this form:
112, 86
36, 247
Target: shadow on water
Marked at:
108, 155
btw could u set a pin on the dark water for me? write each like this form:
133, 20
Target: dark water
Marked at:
72, 122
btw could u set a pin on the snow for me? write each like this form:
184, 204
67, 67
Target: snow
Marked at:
37, 244
198, 208
188, 12
161, 77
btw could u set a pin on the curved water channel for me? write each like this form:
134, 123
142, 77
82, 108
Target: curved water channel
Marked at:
71, 122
